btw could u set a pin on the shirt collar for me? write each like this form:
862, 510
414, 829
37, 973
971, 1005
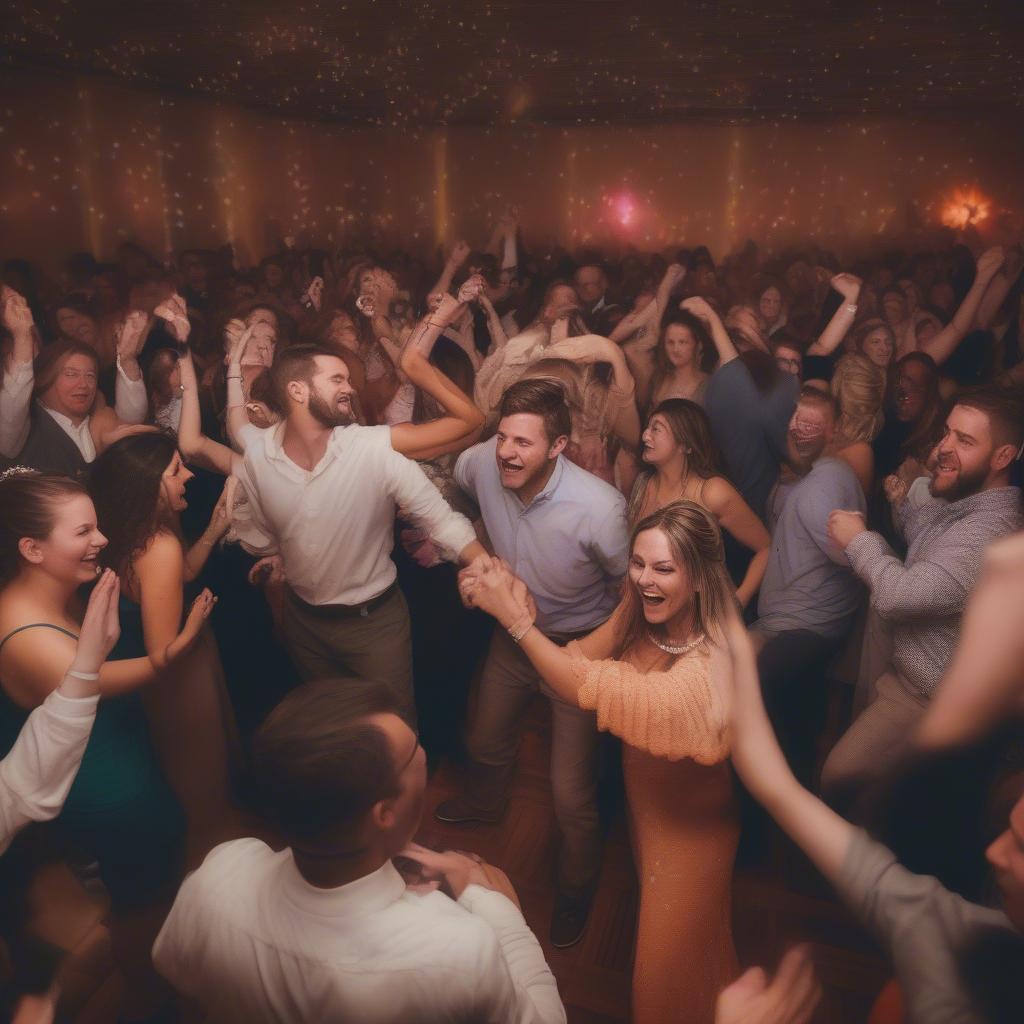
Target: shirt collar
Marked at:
65, 421
552, 485
276, 453
366, 895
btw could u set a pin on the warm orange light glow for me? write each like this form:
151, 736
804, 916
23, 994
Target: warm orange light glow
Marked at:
967, 207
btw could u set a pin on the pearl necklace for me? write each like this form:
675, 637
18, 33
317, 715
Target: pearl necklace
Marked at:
670, 648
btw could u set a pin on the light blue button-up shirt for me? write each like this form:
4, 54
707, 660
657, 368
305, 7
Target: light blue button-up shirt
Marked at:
570, 545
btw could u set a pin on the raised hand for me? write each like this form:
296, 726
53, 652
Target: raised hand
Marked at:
131, 334
674, 273
990, 261
471, 289
315, 292
586, 349
17, 317
175, 313
699, 307
895, 489
101, 627
848, 285
790, 998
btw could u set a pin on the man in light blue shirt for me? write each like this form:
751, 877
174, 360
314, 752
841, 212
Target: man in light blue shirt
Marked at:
564, 533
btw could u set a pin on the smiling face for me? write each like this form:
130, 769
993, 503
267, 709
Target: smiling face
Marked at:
172, 484
70, 553
681, 347
662, 584
878, 346
524, 453
73, 390
329, 395
963, 458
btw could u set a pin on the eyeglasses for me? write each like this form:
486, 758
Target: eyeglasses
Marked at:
69, 373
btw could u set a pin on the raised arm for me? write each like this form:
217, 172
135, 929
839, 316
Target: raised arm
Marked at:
703, 310
498, 336
944, 344
194, 444
462, 422
842, 320
17, 377
459, 255
649, 317
998, 288
131, 403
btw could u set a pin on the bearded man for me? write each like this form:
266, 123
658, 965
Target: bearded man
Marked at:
971, 504
324, 492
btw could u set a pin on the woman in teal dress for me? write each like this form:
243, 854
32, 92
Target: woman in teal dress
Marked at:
120, 809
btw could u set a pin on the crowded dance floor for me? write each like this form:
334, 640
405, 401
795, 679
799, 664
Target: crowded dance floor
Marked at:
511, 513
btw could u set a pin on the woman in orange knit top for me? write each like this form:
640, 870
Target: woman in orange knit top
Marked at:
658, 675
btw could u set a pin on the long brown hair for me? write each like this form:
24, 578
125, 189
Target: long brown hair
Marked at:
696, 543
691, 429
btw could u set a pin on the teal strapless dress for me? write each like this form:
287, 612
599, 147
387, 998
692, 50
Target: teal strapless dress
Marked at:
120, 808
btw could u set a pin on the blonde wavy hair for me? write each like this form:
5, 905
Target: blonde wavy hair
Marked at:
858, 386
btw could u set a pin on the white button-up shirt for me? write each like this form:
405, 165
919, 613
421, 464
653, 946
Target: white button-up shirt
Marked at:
334, 525
251, 940
131, 406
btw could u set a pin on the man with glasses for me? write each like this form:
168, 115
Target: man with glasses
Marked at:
327, 929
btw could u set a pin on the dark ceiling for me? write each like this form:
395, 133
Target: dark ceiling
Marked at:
590, 62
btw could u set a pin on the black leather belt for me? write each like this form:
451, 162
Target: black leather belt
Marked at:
343, 611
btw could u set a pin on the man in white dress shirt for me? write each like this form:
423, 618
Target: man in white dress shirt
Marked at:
327, 929
324, 493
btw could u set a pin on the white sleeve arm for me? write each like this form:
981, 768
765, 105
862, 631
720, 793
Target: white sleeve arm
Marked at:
130, 400
15, 396
535, 986
421, 501
37, 773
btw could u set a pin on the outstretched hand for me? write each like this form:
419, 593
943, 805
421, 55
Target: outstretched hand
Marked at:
175, 313
790, 998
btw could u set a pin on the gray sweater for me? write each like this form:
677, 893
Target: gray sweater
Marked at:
924, 596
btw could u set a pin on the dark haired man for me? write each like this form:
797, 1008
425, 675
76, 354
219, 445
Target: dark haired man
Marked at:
324, 493
564, 533
327, 929
923, 597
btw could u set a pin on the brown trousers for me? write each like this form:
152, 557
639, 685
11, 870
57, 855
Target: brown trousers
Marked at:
375, 647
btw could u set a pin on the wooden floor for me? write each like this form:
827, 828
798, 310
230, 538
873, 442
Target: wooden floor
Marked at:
773, 908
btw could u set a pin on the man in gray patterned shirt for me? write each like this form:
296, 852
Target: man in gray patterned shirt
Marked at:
923, 598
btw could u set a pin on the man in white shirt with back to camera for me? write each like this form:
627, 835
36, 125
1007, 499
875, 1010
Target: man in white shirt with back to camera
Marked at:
327, 929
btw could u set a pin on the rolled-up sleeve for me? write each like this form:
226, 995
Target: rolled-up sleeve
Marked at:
15, 396
420, 500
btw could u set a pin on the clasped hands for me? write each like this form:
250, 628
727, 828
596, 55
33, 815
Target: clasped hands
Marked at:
489, 584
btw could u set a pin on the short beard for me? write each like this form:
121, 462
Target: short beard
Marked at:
964, 486
326, 414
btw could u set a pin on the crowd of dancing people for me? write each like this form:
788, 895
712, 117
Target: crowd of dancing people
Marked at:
274, 541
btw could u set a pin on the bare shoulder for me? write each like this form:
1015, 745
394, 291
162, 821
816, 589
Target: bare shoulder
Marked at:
718, 493
163, 550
